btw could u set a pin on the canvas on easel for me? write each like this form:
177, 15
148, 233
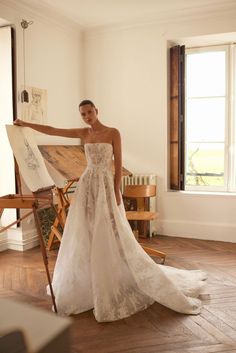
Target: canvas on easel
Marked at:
30, 161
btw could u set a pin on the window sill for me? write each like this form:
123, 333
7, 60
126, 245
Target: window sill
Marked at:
202, 193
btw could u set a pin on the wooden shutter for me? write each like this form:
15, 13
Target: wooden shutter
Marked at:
177, 55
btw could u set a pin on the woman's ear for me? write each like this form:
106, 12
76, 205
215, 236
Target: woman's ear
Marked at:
96, 110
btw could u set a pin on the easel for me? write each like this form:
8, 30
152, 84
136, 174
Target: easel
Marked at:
38, 200
63, 203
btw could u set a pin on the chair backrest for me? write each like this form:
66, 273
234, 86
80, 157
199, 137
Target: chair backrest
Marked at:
136, 191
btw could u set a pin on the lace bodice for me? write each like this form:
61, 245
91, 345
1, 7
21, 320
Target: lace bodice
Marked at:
99, 154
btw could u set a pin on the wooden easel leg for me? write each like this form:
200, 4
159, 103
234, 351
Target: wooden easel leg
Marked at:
44, 254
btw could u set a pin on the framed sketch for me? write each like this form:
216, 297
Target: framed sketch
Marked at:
36, 110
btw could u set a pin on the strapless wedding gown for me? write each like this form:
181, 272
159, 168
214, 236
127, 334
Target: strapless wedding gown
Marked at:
100, 264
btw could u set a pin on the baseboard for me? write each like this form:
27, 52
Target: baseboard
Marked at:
21, 242
205, 231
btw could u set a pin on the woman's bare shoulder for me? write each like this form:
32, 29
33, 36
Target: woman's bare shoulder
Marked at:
115, 137
114, 132
85, 131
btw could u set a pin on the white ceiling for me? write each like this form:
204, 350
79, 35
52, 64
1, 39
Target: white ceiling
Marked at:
93, 13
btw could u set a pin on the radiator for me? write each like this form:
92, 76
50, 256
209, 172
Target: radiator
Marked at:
138, 179
143, 179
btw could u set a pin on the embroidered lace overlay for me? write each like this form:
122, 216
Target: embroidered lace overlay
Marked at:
100, 264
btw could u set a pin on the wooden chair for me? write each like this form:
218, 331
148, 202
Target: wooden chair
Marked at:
142, 194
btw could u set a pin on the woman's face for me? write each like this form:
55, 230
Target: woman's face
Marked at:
89, 114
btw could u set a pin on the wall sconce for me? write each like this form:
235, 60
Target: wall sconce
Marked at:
24, 94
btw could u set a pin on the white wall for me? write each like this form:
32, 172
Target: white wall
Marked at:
126, 75
53, 62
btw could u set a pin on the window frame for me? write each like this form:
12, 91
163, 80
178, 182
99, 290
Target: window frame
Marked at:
228, 120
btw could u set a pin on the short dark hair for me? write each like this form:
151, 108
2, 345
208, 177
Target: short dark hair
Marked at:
85, 102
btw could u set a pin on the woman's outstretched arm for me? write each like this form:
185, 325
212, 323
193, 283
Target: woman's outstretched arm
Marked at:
118, 164
50, 130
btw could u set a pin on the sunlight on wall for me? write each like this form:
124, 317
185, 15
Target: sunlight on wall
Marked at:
7, 178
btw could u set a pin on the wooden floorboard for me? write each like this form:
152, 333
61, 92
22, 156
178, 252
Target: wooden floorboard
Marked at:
157, 329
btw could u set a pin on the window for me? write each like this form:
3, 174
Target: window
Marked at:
210, 119
206, 119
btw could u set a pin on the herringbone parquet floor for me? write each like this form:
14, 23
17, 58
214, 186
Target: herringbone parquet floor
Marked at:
156, 329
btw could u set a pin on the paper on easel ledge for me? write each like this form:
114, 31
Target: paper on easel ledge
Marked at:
30, 161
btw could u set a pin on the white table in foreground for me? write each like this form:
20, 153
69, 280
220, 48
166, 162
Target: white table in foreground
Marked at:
44, 331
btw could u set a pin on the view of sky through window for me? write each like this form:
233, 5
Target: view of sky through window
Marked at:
205, 118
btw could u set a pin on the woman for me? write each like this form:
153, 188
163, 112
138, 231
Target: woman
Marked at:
100, 264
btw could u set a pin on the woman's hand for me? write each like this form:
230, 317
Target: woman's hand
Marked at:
19, 122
